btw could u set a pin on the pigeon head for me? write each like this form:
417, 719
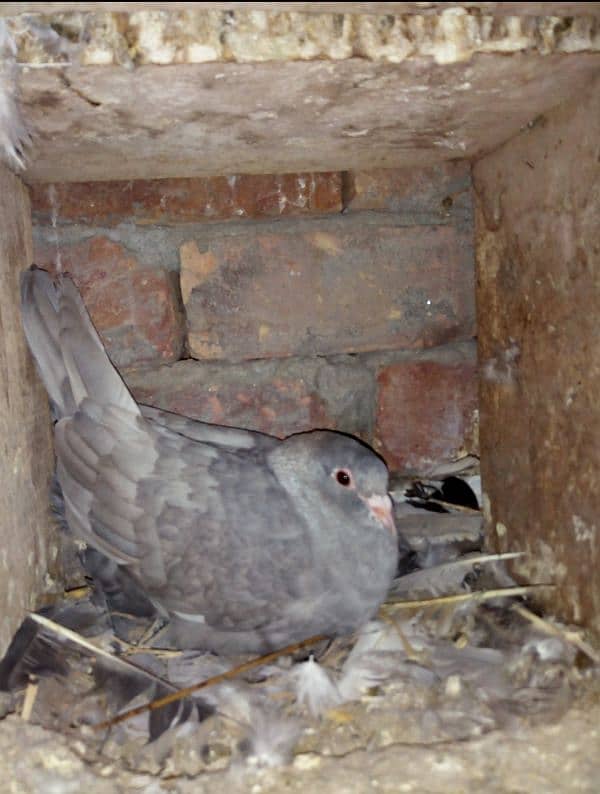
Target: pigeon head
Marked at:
342, 469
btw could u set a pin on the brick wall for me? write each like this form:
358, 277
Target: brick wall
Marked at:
285, 302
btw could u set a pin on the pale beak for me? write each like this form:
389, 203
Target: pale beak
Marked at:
381, 508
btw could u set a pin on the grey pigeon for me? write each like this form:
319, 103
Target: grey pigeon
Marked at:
244, 542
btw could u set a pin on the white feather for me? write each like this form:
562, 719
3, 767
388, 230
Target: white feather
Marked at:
14, 137
270, 739
378, 636
377, 654
548, 649
232, 701
315, 688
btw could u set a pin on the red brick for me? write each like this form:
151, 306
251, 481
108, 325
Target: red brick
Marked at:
440, 189
325, 288
136, 309
280, 406
278, 396
187, 200
426, 413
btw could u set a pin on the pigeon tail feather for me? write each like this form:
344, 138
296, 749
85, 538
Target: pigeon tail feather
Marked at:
66, 347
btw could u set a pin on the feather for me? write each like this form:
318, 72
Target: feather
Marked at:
219, 678
571, 637
378, 653
438, 537
461, 466
315, 689
66, 346
445, 579
14, 136
63, 661
408, 652
270, 738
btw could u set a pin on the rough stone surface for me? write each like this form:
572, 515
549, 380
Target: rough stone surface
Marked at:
136, 308
35, 760
28, 555
199, 119
427, 409
327, 287
538, 204
556, 756
276, 397
164, 201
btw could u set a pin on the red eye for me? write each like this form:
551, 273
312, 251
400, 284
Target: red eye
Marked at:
343, 477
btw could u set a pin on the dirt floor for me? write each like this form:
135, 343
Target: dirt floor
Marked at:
552, 757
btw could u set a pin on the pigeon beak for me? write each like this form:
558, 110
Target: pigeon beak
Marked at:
380, 508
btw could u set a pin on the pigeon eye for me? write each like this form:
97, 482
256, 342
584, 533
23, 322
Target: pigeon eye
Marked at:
343, 477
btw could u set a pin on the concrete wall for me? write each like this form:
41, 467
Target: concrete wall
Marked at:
538, 257
28, 553
303, 300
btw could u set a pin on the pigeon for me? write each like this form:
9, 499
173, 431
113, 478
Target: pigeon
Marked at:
241, 542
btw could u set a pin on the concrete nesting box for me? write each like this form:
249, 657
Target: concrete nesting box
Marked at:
283, 218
